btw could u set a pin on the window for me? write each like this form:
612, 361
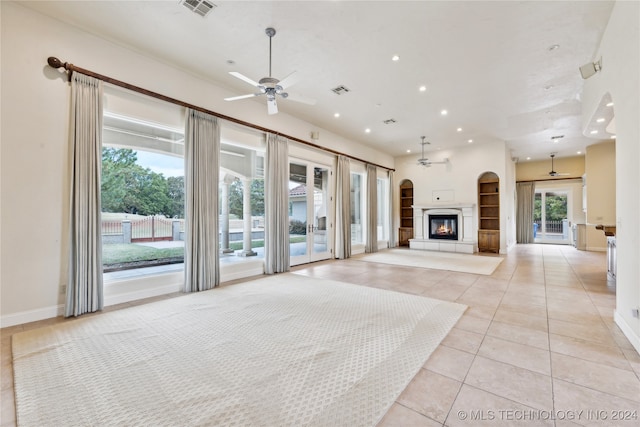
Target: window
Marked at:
357, 209
142, 196
241, 179
383, 209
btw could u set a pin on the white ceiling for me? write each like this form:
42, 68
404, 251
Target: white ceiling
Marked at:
488, 63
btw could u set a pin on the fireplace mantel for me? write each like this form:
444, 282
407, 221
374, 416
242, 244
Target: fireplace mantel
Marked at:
466, 243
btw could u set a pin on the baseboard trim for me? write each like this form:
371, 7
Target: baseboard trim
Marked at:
596, 249
155, 285
627, 330
28, 316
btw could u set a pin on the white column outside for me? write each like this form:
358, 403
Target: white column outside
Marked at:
246, 215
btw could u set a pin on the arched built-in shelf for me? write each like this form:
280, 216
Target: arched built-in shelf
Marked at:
489, 213
405, 232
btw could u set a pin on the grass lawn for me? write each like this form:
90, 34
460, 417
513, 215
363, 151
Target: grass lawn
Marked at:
121, 252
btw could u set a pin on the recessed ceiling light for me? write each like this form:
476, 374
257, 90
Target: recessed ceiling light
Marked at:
459, 130
470, 141
336, 115
367, 130
444, 112
600, 120
547, 87
593, 132
528, 158
230, 61
554, 46
610, 104
613, 137
408, 151
395, 58
423, 88
578, 152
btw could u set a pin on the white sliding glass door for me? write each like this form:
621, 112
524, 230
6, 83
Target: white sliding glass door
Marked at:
550, 217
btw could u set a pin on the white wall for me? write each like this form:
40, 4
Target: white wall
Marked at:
460, 176
34, 131
620, 76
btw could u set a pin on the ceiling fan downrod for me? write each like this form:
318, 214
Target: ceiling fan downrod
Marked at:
270, 32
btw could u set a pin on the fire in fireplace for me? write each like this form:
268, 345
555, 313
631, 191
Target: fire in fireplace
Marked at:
443, 227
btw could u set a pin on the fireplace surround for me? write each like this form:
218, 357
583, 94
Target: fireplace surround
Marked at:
465, 239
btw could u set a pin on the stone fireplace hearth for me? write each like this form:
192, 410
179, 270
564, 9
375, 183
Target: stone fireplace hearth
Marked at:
444, 228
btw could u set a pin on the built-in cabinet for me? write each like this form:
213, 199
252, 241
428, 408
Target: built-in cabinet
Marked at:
405, 232
489, 213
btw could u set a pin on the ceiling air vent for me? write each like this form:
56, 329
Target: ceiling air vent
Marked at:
389, 121
201, 7
340, 90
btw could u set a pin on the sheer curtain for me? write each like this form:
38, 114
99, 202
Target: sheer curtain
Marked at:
85, 288
201, 164
371, 235
525, 193
276, 205
392, 197
343, 208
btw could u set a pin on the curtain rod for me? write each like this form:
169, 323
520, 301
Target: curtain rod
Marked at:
56, 63
550, 180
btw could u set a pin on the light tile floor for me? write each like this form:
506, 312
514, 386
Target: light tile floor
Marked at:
537, 346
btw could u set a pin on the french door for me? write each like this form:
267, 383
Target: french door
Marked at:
550, 217
310, 227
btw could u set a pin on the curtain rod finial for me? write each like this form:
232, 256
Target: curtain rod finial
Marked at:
55, 62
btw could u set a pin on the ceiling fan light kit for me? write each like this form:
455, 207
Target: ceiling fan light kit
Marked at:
270, 86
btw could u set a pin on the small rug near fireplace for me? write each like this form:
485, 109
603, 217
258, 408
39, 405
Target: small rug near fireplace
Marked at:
476, 264
286, 350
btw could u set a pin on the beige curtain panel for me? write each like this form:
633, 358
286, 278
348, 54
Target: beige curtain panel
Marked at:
85, 287
343, 208
525, 193
201, 164
371, 234
276, 205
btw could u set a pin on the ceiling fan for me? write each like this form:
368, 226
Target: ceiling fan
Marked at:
423, 161
270, 86
553, 173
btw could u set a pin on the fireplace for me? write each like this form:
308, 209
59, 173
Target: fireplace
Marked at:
465, 230
443, 227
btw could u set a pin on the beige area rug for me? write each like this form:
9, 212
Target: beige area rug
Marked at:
286, 350
463, 263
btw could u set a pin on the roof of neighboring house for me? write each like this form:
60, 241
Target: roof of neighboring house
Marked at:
300, 190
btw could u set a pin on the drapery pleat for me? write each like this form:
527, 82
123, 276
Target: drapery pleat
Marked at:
85, 287
392, 197
276, 205
201, 164
525, 193
343, 208
371, 234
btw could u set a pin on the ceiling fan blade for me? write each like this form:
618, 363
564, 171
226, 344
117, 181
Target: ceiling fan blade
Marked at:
243, 78
235, 98
272, 107
302, 99
290, 80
